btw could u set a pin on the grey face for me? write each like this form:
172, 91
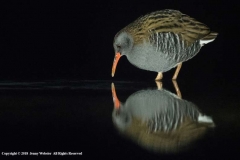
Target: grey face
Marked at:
123, 43
121, 118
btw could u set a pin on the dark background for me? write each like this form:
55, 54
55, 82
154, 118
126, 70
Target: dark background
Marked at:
73, 40
47, 40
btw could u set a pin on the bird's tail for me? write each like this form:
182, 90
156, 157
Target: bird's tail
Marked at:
209, 38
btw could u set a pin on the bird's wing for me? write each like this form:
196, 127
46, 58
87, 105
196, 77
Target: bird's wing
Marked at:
187, 28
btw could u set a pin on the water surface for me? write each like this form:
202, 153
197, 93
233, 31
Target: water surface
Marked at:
77, 116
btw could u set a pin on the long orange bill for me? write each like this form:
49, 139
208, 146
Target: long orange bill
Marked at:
115, 99
115, 61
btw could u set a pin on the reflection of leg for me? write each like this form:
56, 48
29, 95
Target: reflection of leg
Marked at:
159, 76
159, 85
177, 89
115, 99
177, 71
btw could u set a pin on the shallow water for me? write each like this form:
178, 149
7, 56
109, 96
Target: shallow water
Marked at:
76, 116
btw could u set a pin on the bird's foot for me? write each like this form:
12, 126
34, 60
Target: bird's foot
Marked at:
177, 89
159, 76
159, 85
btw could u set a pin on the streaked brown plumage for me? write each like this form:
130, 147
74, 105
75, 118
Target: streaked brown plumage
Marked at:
149, 28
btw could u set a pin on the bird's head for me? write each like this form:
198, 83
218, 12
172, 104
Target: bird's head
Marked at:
123, 43
121, 116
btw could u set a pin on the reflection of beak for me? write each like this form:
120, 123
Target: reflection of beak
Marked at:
116, 59
115, 99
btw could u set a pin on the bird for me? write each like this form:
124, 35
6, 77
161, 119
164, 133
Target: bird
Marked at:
159, 120
160, 41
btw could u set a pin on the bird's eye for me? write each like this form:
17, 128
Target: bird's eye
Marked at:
118, 46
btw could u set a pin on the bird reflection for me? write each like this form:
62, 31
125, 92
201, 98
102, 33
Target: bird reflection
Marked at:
159, 120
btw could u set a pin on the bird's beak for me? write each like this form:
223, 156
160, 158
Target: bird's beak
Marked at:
115, 99
115, 61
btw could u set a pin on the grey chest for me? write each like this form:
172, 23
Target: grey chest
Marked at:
161, 52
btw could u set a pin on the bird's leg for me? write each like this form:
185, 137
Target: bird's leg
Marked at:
177, 71
177, 88
159, 76
159, 85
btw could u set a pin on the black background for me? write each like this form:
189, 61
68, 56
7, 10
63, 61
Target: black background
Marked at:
52, 40
73, 40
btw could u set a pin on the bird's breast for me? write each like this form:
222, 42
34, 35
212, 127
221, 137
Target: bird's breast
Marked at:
146, 57
160, 108
161, 52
